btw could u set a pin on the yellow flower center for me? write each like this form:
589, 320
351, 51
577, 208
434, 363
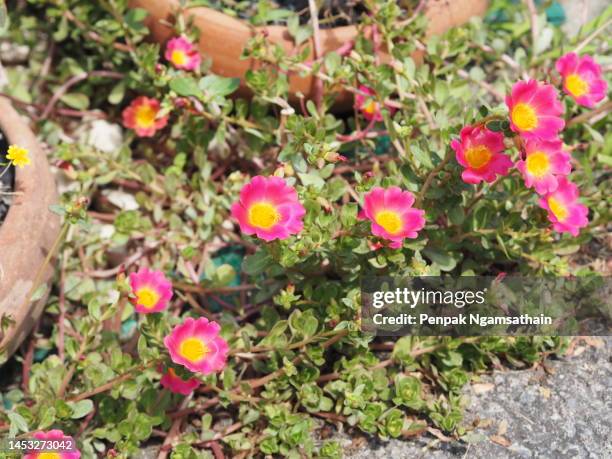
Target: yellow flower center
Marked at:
537, 164
145, 116
371, 107
193, 349
478, 156
178, 57
18, 156
263, 215
147, 297
524, 117
48, 456
389, 220
558, 209
576, 85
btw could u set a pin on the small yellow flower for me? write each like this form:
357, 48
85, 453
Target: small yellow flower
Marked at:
18, 156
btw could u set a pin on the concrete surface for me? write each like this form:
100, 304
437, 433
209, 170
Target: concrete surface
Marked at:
579, 12
562, 413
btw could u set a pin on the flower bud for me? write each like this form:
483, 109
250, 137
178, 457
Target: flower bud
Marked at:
279, 172
334, 157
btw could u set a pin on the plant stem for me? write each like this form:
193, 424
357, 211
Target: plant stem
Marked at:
533, 18
588, 115
590, 38
5, 170
254, 383
62, 90
483, 84
316, 39
109, 385
41, 268
299, 344
432, 175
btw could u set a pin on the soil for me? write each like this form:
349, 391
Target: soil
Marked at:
332, 13
6, 182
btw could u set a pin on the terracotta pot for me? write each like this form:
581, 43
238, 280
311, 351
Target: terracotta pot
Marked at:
222, 38
27, 234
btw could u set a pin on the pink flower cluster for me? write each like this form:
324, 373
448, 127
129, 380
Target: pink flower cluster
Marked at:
269, 208
197, 346
366, 102
52, 435
535, 116
182, 54
194, 344
144, 115
392, 216
582, 79
152, 291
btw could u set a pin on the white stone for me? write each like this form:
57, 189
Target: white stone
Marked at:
106, 231
121, 199
105, 136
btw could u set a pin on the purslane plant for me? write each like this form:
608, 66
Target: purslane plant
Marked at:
534, 124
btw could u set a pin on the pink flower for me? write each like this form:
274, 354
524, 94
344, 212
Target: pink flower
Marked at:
544, 161
392, 215
52, 435
480, 152
535, 110
174, 383
269, 208
582, 79
564, 211
142, 116
367, 104
196, 344
151, 289
182, 54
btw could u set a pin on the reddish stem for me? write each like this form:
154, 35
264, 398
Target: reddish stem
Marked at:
357, 135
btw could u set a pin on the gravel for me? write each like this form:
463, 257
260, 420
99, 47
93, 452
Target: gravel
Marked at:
559, 413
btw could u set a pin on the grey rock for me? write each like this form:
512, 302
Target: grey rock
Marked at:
564, 414
579, 12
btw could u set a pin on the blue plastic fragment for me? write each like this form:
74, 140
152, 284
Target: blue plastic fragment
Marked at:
555, 13
40, 354
128, 328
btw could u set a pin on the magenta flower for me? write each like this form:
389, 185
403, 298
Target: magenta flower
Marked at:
480, 152
174, 383
543, 163
367, 104
52, 435
564, 211
582, 79
151, 289
196, 345
392, 215
269, 208
535, 110
182, 54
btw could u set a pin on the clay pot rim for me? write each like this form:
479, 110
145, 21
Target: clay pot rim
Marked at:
13, 127
223, 37
27, 233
